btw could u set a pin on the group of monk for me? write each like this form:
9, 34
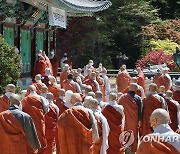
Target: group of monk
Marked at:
83, 115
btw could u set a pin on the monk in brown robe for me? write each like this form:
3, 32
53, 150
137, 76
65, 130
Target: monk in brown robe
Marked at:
55, 63
63, 75
122, 80
141, 78
75, 128
47, 61
115, 116
17, 128
176, 93
87, 77
92, 82
140, 91
132, 104
53, 87
38, 83
4, 99
69, 84
164, 80
51, 125
161, 140
150, 103
36, 106
174, 111
40, 65
156, 77
76, 77
44, 91
101, 145
60, 101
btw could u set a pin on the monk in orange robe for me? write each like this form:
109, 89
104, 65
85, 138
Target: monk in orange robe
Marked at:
174, 111
176, 93
115, 116
40, 65
87, 77
161, 140
4, 99
55, 63
36, 106
92, 82
100, 80
48, 62
63, 75
141, 79
60, 101
156, 77
122, 80
75, 128
132, 104
53, 87
51, 125
38, 83
16, 128
150, 103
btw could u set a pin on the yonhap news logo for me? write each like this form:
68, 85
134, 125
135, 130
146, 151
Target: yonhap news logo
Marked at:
126, 138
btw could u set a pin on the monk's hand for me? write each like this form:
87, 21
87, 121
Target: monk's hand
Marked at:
178, 131
139, 124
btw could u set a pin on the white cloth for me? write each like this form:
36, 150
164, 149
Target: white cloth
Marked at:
76, 85
164, 130
68, 104
97, 85
8, 94
43, 95
62, 64
107, 83
105, 130
101, 103
142, 91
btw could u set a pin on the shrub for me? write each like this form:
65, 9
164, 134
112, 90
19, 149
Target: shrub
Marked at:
9, 65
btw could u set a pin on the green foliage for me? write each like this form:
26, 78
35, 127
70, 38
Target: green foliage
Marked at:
9, 65
167, 46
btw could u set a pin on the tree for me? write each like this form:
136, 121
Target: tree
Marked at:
9, 65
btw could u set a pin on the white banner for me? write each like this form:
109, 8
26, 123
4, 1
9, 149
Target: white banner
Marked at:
57, 17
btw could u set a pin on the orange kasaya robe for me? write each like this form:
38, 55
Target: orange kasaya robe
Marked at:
172, 108
51, 130
38, 87
176, 96
163, 80
68, 86
48, 64
13, 137
59, 102
4, 103
92, 84
141, 81
40, 67
156, 78
33, 106
55, 65
102, 87
131, 113
63, 77
122, 81
54, 89
156, 147
150, 103
96, 147
114, 119
138, 92
86, 78
74, 131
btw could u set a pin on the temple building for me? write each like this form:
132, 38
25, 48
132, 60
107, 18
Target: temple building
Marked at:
25, 24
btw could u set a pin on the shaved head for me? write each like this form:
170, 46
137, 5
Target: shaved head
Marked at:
91, 93
133, 80
112, 96
169, 93
50, 96
162, 89
52, 79
38, 77
133, 87
10, 88
15, 99
62, 92
152, 87
87, 101
32, 88
158, 117
93, 75
93, 103
44, 89
76, 97
98, 94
